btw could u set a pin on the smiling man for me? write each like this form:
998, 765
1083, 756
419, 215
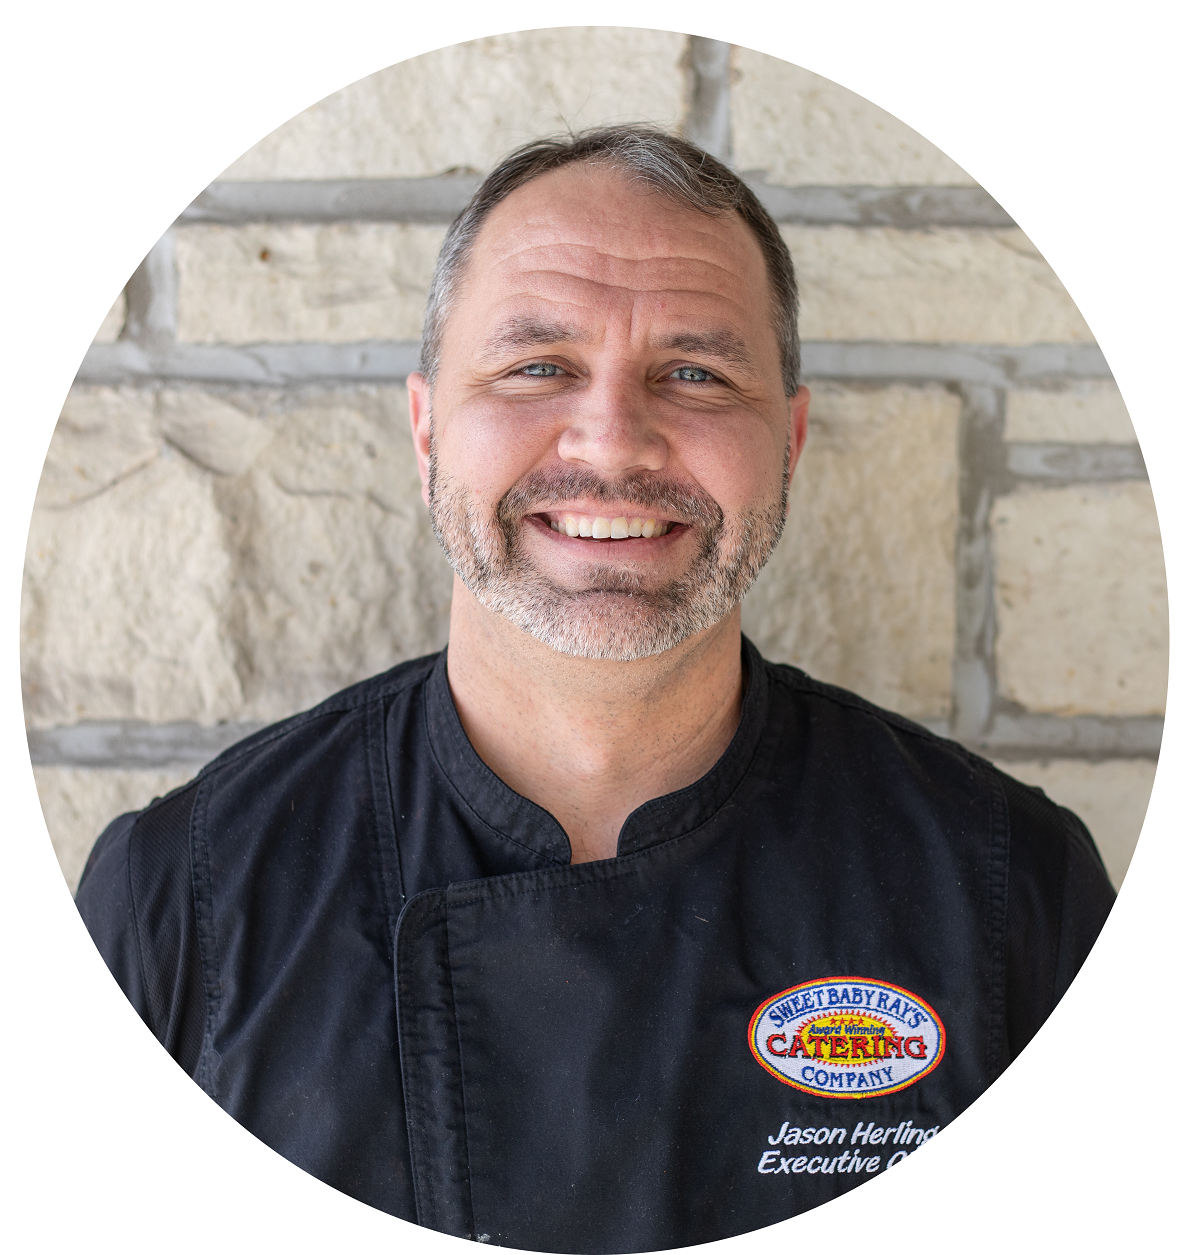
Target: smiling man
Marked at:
617, 420
596, 931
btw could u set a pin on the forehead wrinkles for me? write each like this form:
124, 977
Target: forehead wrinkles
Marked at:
580, 283
585, 263
585, 299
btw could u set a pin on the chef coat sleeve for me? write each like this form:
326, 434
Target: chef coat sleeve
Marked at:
104, 902
135, 896
1059, 896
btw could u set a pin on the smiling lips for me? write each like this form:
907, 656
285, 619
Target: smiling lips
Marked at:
620, 528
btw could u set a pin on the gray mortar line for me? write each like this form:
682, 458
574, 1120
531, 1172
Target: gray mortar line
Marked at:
990, 365
389, 361
438, 200
1048, 462
905, 208
133, 745
1022, 735
433, 200
981, 460
252, 365
708, 123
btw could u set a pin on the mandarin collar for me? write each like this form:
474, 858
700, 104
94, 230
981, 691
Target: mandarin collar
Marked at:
524, 822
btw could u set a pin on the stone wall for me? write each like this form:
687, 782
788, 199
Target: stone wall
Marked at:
229, 527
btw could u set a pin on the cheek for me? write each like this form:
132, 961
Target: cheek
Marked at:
489, 447
738, 465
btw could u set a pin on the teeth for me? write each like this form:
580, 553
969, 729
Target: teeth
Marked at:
619, 528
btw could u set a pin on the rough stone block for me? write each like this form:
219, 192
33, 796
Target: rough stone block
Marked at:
1111, 797
861, 589
337, 573
243, 557
956, 285
102, 436
216, 435
1082, 413
1081, 601
349, 281
469, 104
122, 607
800, 128
79, 803
114, 321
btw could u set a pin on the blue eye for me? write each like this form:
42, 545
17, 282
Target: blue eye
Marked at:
692, 374
540, 370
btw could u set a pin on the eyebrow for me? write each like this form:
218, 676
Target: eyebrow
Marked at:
725, 346
528, 333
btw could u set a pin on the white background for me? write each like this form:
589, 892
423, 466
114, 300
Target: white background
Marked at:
1078, 118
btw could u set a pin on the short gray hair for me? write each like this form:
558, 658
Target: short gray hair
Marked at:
664, 163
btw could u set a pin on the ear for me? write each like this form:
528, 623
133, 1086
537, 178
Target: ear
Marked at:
797, 430
419, 416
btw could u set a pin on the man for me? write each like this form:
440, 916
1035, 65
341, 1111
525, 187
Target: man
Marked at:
596, 932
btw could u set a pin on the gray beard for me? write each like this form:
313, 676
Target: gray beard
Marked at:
614, 616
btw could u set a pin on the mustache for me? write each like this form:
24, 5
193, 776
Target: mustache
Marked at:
542, 490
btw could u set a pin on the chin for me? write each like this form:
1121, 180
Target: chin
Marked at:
607, 626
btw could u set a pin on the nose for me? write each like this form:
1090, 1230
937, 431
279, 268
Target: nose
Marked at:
609, 427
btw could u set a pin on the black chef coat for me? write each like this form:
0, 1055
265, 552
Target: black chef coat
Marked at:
378, 958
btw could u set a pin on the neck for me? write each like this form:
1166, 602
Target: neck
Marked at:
590, 741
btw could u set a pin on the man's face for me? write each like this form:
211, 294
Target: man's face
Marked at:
609, 362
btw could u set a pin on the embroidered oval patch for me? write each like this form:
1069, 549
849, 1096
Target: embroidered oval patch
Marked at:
847, 1037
